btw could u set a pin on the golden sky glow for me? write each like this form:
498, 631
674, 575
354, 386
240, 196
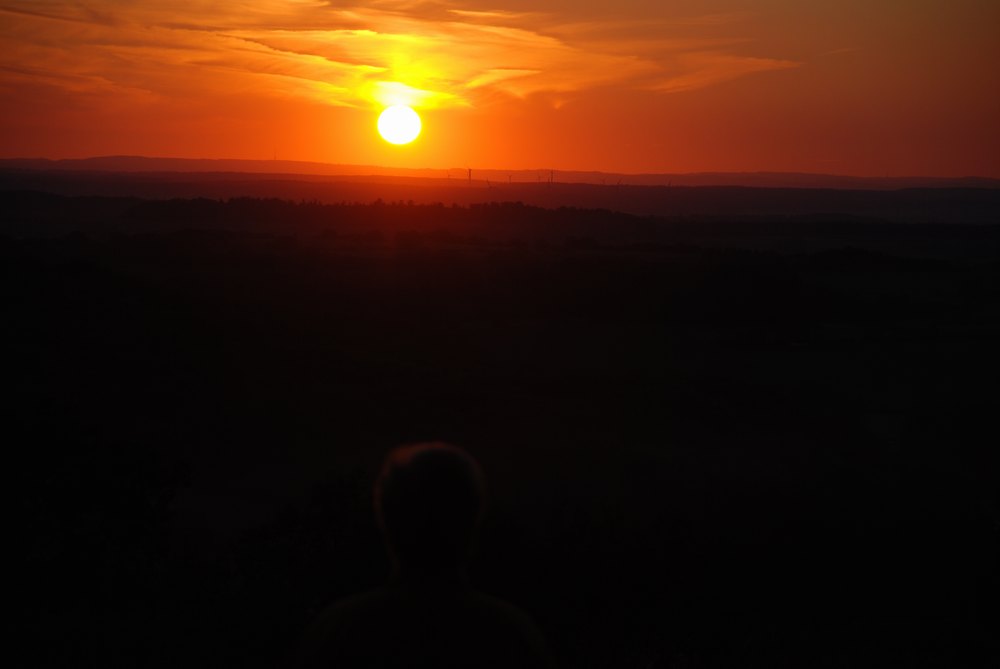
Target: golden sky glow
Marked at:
637, 85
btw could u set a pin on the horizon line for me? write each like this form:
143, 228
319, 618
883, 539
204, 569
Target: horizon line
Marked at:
261, 162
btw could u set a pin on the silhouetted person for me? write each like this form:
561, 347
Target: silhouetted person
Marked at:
429, 500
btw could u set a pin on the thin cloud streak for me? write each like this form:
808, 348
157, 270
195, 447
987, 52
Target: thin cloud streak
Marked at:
700, 70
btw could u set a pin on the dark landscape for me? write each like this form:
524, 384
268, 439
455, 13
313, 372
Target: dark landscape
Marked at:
721, 426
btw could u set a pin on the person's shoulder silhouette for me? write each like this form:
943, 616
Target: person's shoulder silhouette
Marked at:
429, 500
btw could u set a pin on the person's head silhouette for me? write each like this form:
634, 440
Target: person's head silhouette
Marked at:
429, 499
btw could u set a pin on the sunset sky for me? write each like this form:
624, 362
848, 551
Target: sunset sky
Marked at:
866, 87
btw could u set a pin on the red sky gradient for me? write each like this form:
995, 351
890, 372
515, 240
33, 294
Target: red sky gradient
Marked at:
864, 87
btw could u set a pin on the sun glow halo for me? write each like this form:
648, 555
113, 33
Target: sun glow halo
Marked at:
399, 124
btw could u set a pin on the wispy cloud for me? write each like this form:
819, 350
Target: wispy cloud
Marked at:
429, 53
701, 69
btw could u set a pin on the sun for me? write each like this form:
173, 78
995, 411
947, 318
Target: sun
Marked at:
399, 124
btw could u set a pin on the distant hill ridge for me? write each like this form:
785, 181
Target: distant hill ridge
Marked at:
302, 168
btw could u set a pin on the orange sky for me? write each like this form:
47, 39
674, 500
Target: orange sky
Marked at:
867, 87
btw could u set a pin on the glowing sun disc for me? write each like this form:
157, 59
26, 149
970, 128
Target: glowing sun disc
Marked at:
399, 124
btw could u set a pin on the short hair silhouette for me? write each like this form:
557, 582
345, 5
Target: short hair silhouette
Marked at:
429, 500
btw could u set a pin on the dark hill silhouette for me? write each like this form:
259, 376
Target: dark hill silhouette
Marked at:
913, 205
711, 441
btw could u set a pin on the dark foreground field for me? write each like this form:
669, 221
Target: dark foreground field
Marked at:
709, 442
